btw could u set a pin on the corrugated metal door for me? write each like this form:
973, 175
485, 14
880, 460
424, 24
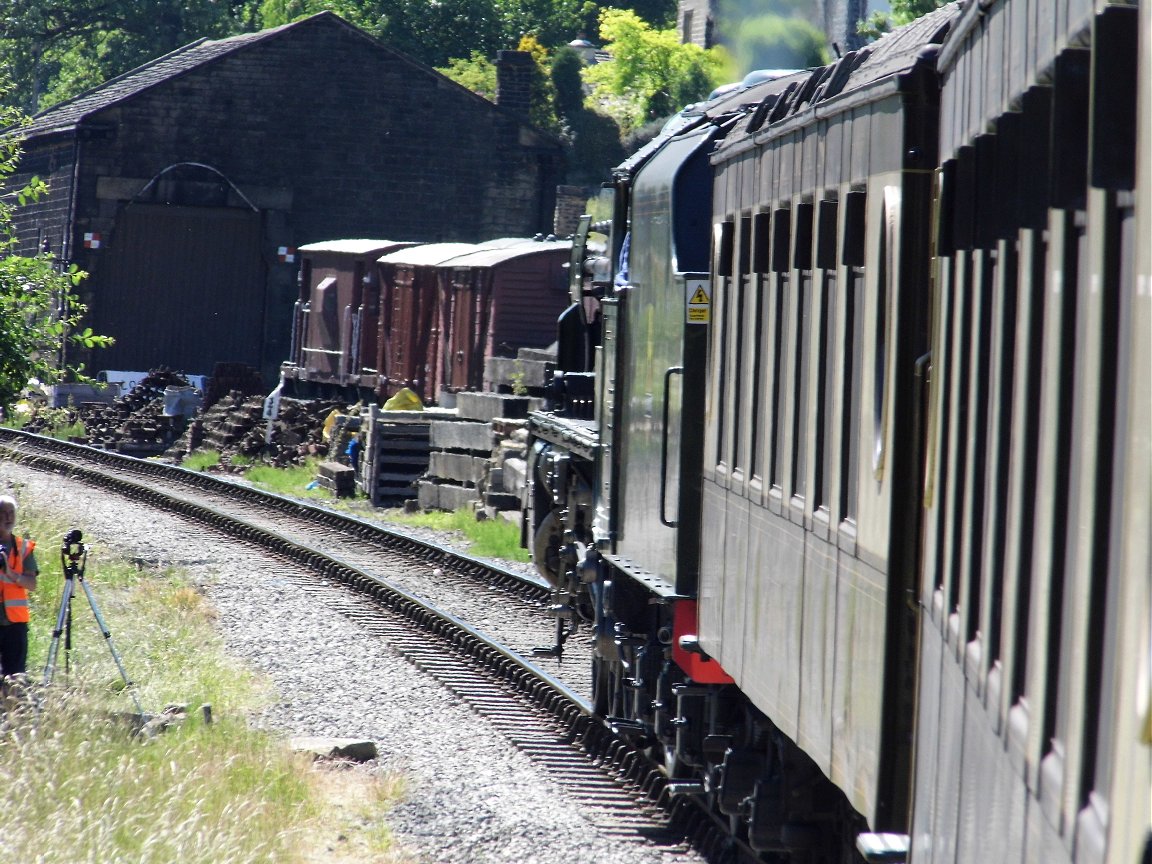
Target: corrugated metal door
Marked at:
404, 337
461, 338
184, 287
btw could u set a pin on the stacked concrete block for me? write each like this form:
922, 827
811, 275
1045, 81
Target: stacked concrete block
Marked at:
507, 479
525, 374
338, 479
466, 464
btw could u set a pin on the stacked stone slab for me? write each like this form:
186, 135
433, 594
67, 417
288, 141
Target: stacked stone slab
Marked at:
525, 374
463, 452
338, 479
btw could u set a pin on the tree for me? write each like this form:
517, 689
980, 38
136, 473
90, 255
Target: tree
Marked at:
39, 311
592, 140
775, 42
903, 12
54, 50
651, 74
477, 73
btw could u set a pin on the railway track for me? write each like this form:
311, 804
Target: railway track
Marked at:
467, 623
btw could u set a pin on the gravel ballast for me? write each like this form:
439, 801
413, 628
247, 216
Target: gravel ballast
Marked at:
470, 798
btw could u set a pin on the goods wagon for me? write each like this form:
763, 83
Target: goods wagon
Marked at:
336, 319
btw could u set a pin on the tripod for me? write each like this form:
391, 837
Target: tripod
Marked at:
74, 558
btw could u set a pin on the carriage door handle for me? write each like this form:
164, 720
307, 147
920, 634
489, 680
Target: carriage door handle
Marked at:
672, 370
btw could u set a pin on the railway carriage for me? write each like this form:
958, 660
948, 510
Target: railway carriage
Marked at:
1035, 572
812, 449
861, 525
335, 322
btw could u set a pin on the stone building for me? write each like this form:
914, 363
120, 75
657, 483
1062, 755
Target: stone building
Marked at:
184, 186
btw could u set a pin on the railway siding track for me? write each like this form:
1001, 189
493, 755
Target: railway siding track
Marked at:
623, 794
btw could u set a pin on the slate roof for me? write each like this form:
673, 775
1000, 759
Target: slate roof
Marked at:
66, 116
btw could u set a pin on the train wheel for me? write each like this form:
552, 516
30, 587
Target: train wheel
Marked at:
605, 686
546, 548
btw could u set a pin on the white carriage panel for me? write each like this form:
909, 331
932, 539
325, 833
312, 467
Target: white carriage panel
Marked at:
774, 610
1081, 579
1020, 37
808, 152
713, 525
882, 280
928, 777
817, 651
1046, 534
738, 576
1017, 507
991, 806
994, 68
1130, 795
1042, 841
858, 684
951, 758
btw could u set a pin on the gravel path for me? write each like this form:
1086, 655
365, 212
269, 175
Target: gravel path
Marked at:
469, 797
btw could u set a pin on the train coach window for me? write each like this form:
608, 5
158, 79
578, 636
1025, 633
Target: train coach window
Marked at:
825, 260
885, 278
761, 225
722, 247
802, 260
740, 285
852, 257
781, 236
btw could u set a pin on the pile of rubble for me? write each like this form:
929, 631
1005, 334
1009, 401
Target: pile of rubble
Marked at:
164, 415
138, 423
235, 426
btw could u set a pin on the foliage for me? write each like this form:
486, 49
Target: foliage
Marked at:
651, 74
542, 93
477, 73
775, 42
58, 50
55, 50
903, 12
39, 311
567, 82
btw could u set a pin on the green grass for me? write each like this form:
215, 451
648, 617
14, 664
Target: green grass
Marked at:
76, 786
201, 460
492, 538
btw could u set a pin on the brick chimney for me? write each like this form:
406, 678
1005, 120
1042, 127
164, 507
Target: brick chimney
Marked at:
514, 70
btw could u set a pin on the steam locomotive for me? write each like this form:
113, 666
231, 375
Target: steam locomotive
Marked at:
847, 465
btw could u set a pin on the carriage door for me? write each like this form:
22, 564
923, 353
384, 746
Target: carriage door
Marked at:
460, 342
400, 340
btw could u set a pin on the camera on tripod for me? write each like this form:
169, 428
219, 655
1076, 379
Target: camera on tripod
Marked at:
73, 547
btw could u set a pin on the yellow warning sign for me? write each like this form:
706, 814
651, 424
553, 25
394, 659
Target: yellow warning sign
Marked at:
699, 306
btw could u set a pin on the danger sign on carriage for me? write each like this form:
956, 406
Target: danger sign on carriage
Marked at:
699, 306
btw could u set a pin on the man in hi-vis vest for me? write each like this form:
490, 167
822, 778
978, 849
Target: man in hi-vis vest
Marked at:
18, 573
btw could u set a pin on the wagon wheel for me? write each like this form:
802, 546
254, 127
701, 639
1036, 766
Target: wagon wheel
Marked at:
546, 548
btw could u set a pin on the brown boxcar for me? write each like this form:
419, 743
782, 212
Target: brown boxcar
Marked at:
410, 320
335, 324
496, 301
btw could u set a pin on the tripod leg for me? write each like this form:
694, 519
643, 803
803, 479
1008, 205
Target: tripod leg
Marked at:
62, 617
108, 640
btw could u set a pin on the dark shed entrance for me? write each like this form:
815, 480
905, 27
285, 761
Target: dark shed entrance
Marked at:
183, 283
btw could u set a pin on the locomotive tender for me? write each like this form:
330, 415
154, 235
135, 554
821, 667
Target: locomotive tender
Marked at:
860, 522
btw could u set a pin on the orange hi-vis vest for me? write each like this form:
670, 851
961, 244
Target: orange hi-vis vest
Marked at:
15, 597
